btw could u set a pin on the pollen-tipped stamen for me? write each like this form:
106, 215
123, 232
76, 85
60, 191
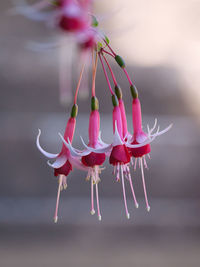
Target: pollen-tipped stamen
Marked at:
124, 193
97, 198
92, 197
144, 186
58, 197
132, 189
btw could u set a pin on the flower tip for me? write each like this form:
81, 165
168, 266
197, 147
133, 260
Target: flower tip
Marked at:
56, 219
128, 216
99, 217
136, 205
92, 212
148, 208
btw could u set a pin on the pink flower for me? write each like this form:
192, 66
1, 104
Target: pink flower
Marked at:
64, 161
90, 159
143, 139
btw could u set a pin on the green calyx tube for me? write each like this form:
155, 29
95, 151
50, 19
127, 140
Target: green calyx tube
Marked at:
74, 111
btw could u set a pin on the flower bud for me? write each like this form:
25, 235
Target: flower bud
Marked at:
120, 61
74, 111
94, 103
118, 92
115, 101
134, 91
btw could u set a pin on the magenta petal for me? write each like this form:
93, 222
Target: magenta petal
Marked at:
119, 155
93, 159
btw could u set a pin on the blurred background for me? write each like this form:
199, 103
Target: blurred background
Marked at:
160, 42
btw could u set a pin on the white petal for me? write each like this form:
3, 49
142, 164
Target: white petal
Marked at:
163, 131
117, 139
60, 161
46, 154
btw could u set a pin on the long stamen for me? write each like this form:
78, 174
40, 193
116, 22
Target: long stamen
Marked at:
135, 165
117, 174
132, 161
131, 185
97, 198
145, 163
144, 186
92, 197
106, 75
58, 198
124, 194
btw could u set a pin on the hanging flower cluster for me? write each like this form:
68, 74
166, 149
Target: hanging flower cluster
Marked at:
126, 149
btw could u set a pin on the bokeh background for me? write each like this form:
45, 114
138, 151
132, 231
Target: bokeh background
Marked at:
160, 41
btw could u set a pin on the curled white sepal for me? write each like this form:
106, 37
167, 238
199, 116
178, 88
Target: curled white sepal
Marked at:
74, 152
117, 139
163, 131
148, 141
103, 149
152, 129
100, 140
46, 154
60, 161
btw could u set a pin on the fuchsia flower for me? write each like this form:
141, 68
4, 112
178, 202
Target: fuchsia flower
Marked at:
141, 138
91, 159
64, 161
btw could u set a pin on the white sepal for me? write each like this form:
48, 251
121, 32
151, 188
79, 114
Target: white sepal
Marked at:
74, 152
60, 161
103, 149
117, 139
163, 131
46, 154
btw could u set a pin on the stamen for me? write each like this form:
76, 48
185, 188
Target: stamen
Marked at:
117, 174
124, 194
149, 156
92, 197
97, 198
58, 198
131, 185
135, 164
145, 163
132, 161
88, 176
144, 186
